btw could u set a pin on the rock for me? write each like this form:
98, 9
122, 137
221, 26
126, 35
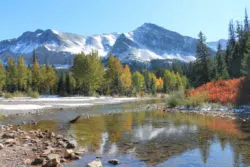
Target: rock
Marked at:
62, 160
1, 146
95, 163
8, 135
52, 134
68, 153
10, 141
63, 144
27, 161
37, 161
27, 138
114, 161
52, 163
46, 151
53, 156
59, 137
75, 157
71, 144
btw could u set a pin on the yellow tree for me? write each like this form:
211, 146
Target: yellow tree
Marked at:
2, 76
43, 87
22, 74
112, 75
159, 83
126, 78
51, 78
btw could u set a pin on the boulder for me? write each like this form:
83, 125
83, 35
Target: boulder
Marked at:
52, 163
95, 163
71, 144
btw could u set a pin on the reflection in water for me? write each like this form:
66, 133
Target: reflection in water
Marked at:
159, 139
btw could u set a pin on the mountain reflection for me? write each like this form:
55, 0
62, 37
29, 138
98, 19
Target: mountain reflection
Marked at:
155, 137
161, 139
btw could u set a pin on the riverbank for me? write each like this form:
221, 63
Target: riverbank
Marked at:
242, 114
36, 148
27, 105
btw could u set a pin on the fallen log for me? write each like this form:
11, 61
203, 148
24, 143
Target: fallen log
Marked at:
75, 119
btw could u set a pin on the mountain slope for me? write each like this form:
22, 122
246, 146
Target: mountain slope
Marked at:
147, 42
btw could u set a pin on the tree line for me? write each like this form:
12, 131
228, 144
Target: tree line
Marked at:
88, 76
17, 76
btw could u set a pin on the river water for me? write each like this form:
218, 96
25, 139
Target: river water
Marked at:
151, 138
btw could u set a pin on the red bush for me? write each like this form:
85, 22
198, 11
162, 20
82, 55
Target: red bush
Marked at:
222, 91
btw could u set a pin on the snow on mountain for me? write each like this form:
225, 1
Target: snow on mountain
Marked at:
146, 43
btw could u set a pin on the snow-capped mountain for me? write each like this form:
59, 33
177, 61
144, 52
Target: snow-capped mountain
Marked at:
145, 43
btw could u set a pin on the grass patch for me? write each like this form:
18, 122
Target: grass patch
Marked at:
176, 99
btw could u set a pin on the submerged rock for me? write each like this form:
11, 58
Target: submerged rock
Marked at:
114, 161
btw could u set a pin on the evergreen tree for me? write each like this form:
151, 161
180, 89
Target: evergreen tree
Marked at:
230, 47
70, 83
245, 69
246, 22
138, 81
36, 77
2, 76
11, 78
22, 74
62, 90
221, 64
202, 59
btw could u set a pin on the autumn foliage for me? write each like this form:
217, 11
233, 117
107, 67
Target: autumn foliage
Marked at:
222, 91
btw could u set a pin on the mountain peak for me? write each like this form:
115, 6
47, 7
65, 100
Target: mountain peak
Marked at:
147, 42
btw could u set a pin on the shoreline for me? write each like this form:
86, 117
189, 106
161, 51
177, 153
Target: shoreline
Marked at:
25, 105
36, 148
242, 116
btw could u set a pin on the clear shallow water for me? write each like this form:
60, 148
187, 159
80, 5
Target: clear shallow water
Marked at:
152, 138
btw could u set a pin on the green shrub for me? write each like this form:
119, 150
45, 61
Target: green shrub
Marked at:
34, 94
197, 100
18, 94
176, 99
8, 95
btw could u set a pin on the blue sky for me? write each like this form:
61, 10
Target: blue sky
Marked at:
88, 17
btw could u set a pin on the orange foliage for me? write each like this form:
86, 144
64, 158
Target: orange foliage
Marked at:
222, 91
159, 83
